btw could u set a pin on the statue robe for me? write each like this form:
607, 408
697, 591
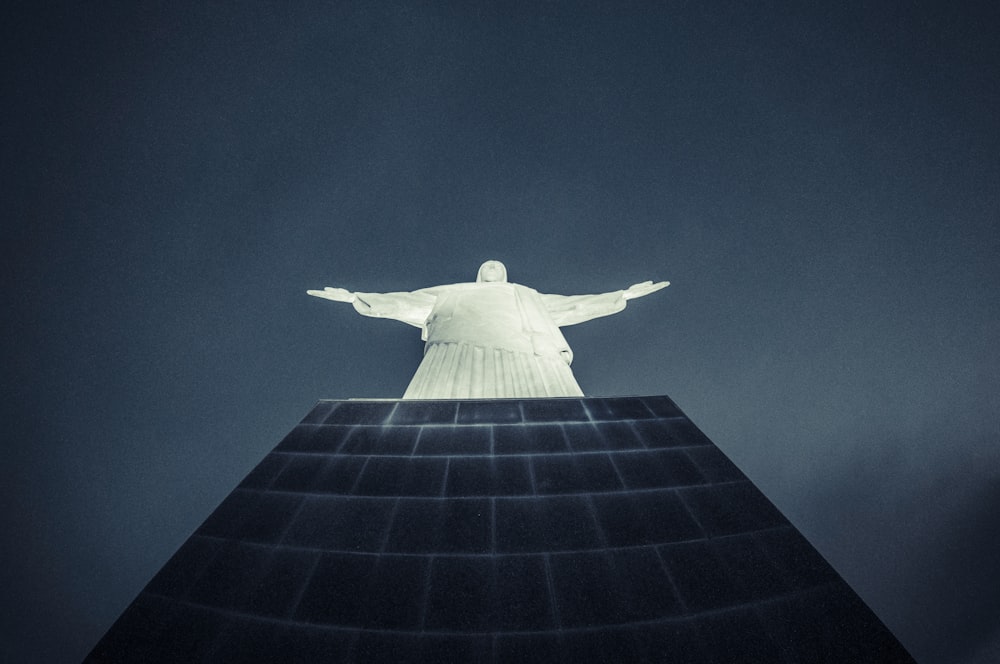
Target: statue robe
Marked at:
490, 339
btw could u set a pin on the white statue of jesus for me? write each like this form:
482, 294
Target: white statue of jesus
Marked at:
491, 338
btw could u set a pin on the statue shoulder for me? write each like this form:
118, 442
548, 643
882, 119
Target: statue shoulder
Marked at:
521, 288
444, 288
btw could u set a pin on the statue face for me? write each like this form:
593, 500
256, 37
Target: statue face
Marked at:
492, 271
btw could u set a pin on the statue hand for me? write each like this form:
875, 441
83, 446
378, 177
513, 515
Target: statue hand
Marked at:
645, 288
335, 294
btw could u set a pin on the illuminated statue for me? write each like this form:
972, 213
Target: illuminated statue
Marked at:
491, 338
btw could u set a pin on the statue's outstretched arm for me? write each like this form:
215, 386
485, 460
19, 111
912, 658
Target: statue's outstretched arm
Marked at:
573, 309
410, 308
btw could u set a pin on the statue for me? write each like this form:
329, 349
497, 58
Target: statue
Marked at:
491, 338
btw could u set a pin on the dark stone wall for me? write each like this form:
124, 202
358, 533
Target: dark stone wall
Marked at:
516, 530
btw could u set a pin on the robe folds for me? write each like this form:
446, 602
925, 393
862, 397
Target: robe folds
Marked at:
490, 339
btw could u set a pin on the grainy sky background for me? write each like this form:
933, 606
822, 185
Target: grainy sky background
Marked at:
821, 184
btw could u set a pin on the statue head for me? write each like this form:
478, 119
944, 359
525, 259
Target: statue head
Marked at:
492, 271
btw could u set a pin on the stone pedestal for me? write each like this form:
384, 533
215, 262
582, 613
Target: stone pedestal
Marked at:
514, 530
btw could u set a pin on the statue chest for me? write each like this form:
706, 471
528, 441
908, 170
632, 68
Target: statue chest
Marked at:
486, 315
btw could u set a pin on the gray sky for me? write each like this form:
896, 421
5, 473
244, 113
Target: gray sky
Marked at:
819, 184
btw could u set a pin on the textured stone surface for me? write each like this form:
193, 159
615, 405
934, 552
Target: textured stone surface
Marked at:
513, 530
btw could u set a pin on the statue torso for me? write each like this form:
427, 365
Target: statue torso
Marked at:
494, 315
486, 315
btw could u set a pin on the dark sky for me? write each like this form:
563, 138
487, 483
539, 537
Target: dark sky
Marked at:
821, 185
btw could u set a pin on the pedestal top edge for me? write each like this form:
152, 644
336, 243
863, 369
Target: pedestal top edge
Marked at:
488, 399
490, 411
